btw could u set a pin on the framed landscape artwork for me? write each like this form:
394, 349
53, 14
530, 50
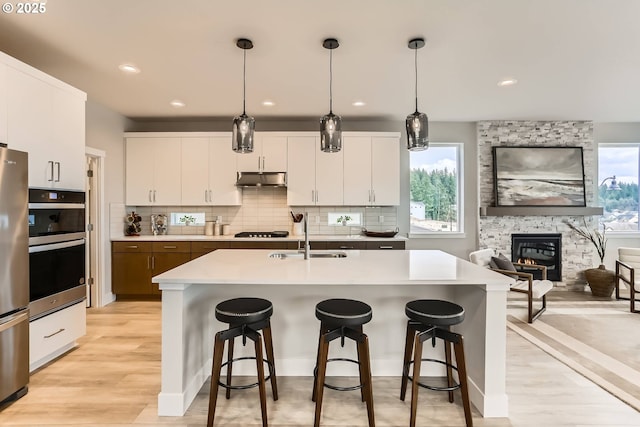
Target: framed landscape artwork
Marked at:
538, 176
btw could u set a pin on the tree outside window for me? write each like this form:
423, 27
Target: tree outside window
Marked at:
620, 203
435, 189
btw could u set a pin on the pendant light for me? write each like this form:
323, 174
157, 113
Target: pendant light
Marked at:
417, 123
243, 125
330, 124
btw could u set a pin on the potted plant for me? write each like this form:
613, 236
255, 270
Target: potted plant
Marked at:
343, 219
601, 281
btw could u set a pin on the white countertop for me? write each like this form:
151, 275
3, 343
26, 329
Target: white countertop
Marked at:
370, 267
201, 237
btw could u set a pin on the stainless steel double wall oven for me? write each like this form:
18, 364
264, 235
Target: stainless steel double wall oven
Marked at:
56, 250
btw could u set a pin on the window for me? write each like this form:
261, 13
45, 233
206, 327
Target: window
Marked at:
187, 218
344, 218
618, 175
436, 189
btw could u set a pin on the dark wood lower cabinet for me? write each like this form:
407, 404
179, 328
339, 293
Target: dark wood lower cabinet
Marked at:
134, 263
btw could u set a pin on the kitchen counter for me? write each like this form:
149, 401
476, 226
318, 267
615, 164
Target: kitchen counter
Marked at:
386, 280
290, 238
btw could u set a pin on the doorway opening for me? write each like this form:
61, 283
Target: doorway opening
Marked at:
95, 256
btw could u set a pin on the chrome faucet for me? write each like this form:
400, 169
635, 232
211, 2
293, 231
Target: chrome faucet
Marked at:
307, 247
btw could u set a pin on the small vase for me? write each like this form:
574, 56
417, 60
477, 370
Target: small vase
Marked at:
297, 229
601, 281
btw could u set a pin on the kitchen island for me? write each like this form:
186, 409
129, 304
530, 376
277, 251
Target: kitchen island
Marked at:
386, 280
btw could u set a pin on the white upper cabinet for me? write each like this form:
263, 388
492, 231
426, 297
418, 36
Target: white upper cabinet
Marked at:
371, 170
153, 172
269, 154
3, 104
47, 120
209, 172
314, 177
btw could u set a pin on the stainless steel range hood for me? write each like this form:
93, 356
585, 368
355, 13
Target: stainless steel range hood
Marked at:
262, 179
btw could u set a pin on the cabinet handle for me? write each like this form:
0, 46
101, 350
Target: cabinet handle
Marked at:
206, 197
259, 162
150, 199
153, 262
313, 195
210, 196
374, 195
385, 247
154, 196
55, 333
50, 163
316, 196
263, 167
346, 247
58, 167
132, 247
148, 263
170, 247
369, 196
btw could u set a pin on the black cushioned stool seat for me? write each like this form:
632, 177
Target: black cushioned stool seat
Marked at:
343, 318
245, 316
431, 319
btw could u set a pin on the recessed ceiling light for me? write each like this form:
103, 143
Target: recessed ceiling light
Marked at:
129, 68
358, 104
507, 82
176, 103
268, 103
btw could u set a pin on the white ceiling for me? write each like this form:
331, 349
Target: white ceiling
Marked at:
573, 59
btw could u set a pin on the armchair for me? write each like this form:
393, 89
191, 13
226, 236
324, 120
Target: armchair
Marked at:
525, 283
626, 265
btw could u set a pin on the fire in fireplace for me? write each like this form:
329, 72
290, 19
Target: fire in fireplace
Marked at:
540, 249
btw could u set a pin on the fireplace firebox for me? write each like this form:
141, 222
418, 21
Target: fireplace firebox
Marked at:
540, 249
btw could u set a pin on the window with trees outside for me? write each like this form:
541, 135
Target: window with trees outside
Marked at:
436, 189
618, 174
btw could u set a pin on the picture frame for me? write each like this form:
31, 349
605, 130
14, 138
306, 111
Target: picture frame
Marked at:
538, 176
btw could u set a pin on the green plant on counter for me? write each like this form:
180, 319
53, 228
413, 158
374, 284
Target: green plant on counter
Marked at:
187, 219
342, 219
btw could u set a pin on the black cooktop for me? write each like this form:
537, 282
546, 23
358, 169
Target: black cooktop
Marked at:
262, 234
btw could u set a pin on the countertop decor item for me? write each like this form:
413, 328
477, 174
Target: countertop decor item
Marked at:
600, 280
297, 217
158, 224
132, 224
386, 233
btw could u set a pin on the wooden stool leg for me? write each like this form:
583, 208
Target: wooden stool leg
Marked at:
365, 377
417, 359
323, 353
447, 356
408, 347
361, 368
462, 377
261, 381
268, 343
229, 365
323, 330
218, 349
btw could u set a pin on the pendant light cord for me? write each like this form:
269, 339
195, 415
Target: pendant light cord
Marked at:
416, 66
244, 80
330, 81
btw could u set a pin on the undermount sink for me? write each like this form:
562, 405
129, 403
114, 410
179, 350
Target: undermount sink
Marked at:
284, 255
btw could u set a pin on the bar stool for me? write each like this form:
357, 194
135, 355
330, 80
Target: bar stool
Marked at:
431, 319
343, 318
245, 316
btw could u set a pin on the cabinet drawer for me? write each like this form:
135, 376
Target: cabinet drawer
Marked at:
171, 247
346, 245
50, 335
208, 246
131, 246
385, 245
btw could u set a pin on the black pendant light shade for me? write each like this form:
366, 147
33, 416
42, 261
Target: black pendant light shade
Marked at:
330, 124
417, 123
243, 125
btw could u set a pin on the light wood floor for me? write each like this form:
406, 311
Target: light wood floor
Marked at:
113, 378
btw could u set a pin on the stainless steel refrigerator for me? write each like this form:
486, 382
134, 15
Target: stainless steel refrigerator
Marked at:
14, 274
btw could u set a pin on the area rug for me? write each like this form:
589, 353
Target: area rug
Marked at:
598, 339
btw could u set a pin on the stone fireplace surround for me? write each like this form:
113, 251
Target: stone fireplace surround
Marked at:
495, 231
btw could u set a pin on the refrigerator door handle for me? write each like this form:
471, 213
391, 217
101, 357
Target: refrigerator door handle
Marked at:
14, 320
